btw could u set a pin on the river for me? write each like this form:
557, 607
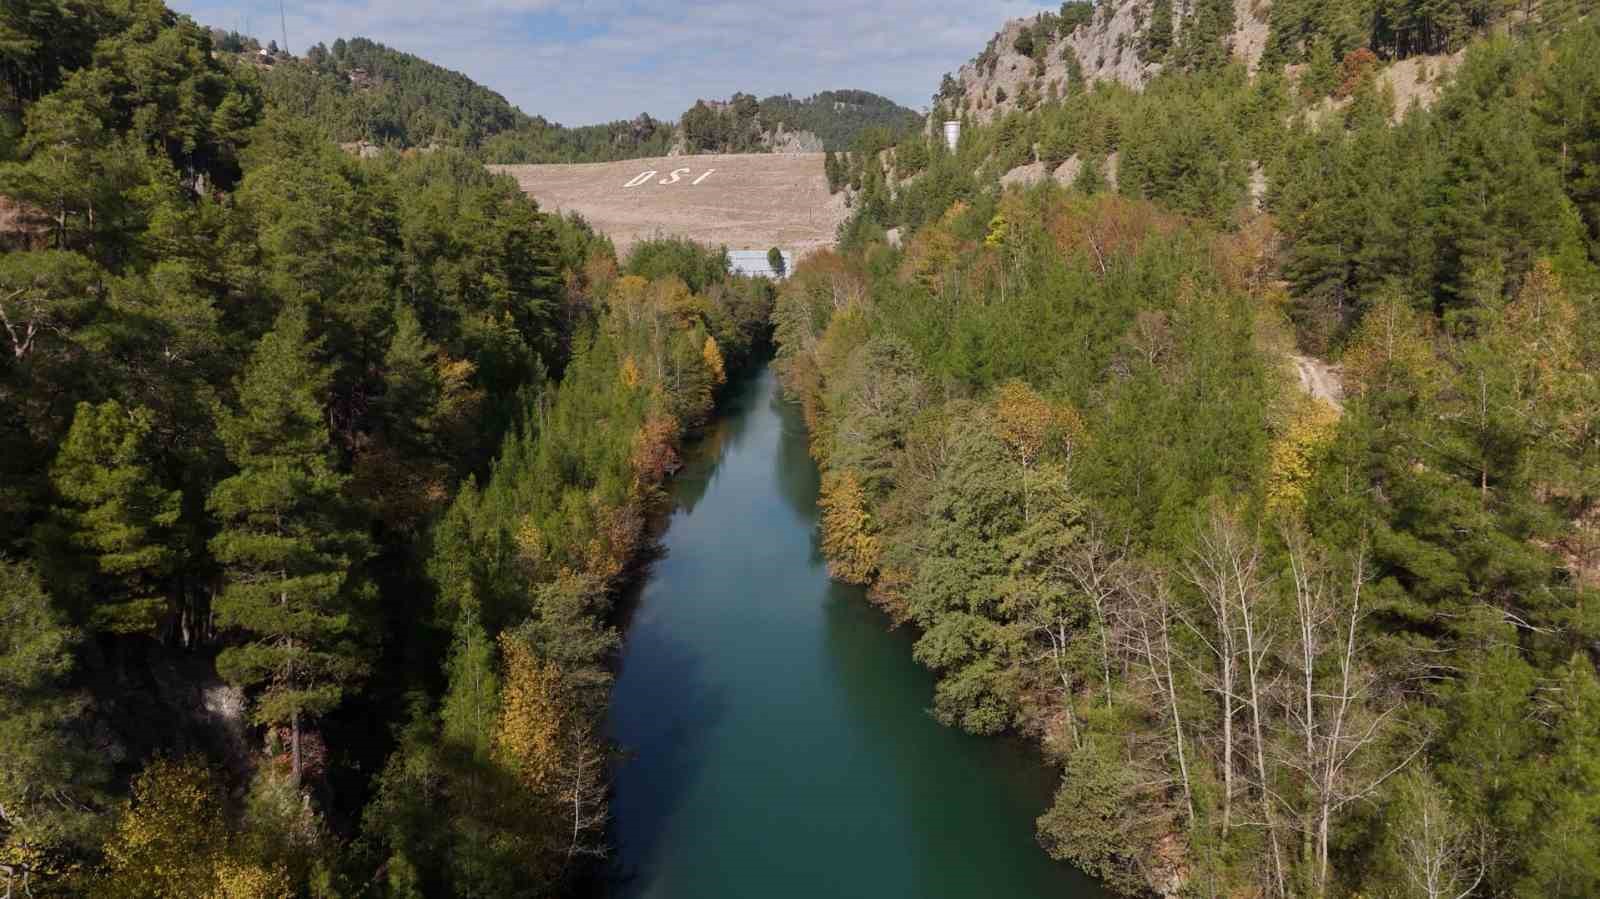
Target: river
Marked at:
778, 736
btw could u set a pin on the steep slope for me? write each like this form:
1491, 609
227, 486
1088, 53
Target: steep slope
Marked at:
1122, 42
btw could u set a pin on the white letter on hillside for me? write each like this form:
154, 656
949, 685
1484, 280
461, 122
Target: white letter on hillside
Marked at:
702, 177
675, 177
641, 179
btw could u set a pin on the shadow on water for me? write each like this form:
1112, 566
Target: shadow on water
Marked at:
795, 471
721, 437
650, 785
662, 751
887, 698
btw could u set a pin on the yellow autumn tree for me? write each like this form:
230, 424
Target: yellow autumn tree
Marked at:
713, 356
630, 373
933, 250
852, 549
1392, 346
1031, 425
1291, 458
999, 230
528, 734
1024, 420
1540, 331
630, 298
172, 840
533, 549
244, 881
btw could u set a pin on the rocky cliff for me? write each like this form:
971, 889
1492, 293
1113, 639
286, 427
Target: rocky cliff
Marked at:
1028, 59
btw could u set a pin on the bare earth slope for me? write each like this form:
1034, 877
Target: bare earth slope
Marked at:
751, 201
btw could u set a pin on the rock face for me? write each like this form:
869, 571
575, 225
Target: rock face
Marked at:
1106, 49
781, 141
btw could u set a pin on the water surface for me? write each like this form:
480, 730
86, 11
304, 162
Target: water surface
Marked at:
780, 743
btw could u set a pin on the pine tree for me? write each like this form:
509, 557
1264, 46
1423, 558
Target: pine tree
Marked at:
1157, 38
283, 542
48, 782
1564, 854
116, 516
1206, 35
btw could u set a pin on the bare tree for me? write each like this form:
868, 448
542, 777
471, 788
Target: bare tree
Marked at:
1046, 616
24, 312
1042, 598
1209, 571
1442, 856
1337, 716
1149, 637
1226, 567
1097, 569
585, 792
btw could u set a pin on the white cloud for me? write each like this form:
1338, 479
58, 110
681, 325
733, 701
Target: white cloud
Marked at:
583, 61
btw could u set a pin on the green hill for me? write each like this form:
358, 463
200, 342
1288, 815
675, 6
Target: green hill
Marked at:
361, 90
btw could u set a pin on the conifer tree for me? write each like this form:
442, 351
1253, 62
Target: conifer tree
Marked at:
116, 516
1157, 38
47, 781
283, 542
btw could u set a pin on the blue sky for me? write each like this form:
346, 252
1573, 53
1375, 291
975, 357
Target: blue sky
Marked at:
584, 61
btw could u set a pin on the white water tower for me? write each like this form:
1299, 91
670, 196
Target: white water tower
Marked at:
952, 134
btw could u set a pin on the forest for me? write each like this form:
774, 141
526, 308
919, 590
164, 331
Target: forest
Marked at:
319, 475
1275, 644
839, 120
361, 90
317, 478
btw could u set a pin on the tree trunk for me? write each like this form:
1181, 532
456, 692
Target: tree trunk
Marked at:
1177, 719
1227, 727
1252, 656
294, 728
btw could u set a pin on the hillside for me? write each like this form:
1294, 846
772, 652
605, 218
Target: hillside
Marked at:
839, 117
362, 92
319, 475
1266, 332
745, 201
831, 120
1129, 43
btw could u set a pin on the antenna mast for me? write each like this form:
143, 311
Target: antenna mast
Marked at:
283, 24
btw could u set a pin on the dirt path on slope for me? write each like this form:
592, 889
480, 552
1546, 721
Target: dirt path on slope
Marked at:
1320, 380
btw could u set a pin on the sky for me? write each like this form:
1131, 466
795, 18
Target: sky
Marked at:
579, 62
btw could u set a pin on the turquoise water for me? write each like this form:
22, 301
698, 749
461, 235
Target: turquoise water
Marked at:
777, 729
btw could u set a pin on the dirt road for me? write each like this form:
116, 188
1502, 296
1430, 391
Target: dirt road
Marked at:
751, 201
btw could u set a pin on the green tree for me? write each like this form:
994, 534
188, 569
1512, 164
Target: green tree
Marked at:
48, 782
117, 517
285, 545
1158, 34
776, 263
961, 581
1564, 857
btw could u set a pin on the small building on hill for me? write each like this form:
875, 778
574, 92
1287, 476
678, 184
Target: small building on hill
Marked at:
754, 263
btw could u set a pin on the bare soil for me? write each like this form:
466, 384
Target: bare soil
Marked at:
752, 201
1319, 379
